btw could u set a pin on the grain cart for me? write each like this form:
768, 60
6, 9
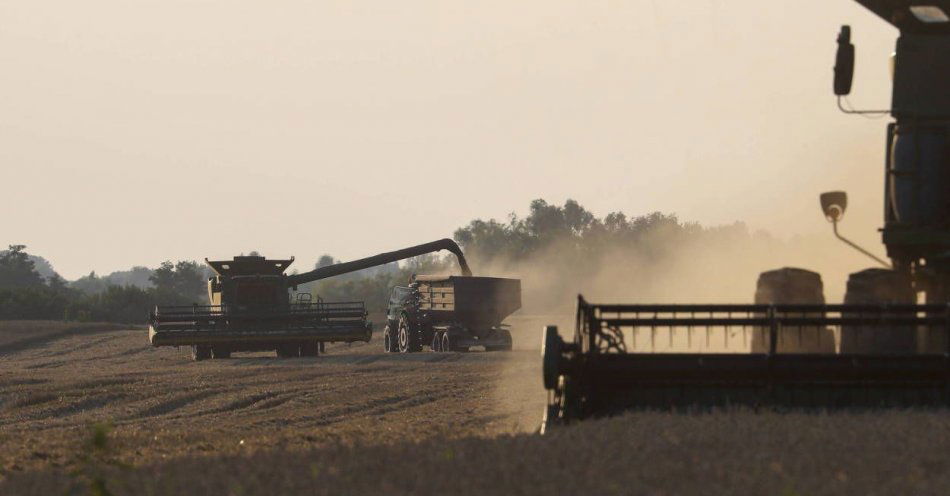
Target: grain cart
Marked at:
250, 308
890, 351
451, 313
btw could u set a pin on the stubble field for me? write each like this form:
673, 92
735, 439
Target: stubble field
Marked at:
84, 409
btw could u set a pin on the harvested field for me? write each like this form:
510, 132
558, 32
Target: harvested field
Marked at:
356, 421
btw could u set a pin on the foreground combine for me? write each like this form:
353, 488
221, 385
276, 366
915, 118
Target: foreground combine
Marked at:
880, 349
250, 308
678, 356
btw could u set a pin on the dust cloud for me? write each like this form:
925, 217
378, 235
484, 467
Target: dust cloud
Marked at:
718, 265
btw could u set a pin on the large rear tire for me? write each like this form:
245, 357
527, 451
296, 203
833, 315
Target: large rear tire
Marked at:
792, 286
505, 336
407, 337
874, 286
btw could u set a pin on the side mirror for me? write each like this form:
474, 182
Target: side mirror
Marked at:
833, 204
844, 62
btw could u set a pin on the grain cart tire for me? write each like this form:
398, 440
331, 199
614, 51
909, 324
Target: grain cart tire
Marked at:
310, 349
872, 286
505, 335
218, 352
792, 286
323, 347
408, 338
200, 352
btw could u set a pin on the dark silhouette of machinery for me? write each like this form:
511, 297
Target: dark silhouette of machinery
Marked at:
890, 351
250, 308
451, 313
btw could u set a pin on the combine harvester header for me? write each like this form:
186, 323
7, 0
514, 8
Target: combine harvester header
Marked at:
658, 357
791, 350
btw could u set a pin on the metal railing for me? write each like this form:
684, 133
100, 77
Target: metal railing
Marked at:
770, 329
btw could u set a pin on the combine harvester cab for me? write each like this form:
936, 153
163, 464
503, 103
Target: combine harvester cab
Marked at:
697, 357
250, 308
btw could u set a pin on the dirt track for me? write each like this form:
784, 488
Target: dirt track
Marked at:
163, 406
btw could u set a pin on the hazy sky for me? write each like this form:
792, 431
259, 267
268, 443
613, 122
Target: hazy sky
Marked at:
137, 131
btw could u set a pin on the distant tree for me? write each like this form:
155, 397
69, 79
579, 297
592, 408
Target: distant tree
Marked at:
90, 284
136, 276
184, 278
324, 261
43, 266
17, 270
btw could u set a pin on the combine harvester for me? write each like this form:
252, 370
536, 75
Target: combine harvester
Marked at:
250, 308
890, 351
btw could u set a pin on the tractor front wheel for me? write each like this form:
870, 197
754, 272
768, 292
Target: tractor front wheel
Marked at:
389, 341
200, 352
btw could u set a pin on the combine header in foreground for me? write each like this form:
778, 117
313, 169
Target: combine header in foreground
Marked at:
879, 349
694, 357
250, 308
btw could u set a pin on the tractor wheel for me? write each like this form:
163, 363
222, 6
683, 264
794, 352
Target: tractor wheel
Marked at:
310, 349
220, 352
872, 286
436, 341
200, 352
288, 351
389, 341
407, 338
792, 286
446, 342
322, 347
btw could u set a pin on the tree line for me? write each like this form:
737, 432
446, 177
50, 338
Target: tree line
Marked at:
567, 239
25, 294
